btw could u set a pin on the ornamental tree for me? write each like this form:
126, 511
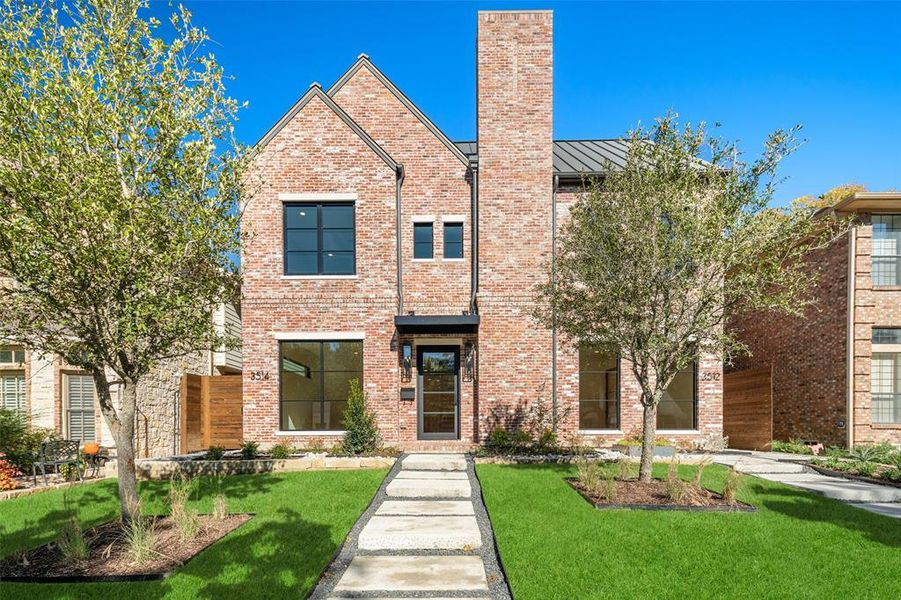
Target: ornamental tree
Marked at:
655, 256
119, 188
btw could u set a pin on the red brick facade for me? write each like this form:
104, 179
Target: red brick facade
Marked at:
810, 357
317, 154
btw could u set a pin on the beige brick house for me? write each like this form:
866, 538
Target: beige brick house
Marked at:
56, 396
836, 374
381, 250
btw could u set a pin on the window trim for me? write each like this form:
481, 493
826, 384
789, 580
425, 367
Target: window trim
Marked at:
322, 341
890, 258
444, 226
618, 401
19, 375
895, 355
320, 272
67, 407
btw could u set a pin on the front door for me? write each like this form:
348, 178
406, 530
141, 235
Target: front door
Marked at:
438, 370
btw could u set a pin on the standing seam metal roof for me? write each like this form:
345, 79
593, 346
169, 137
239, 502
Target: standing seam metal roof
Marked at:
576, 157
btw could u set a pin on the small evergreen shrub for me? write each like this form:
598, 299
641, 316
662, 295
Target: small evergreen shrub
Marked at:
792, 446
214, 453
185, 517
361, 433
19, 442
140, 536
500, 438
8, 473
281, 451
730, 485
249, 450
71, 541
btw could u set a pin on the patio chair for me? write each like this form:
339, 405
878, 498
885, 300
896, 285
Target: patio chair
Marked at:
55, 453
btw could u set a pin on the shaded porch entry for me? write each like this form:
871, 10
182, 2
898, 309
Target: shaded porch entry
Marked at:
438, 392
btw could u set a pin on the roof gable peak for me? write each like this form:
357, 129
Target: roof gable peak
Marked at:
363, 62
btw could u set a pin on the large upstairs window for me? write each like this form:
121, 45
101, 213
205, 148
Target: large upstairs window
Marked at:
319, 238
886, 250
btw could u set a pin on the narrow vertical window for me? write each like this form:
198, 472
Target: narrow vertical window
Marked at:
12, 392
885, 376
453, 240
886, 252
80, 408
598, 389
423, 244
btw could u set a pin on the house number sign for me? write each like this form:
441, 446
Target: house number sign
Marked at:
710, 376
259, 375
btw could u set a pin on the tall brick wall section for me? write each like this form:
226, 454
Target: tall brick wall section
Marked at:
317, 152
808, 355
873, 307
435, 184
515, 128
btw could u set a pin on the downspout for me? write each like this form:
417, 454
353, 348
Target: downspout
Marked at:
400, 267
554, 321
474, 211
852, 293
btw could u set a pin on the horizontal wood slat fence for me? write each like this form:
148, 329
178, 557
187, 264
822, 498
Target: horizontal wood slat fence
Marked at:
748, 408
210, 412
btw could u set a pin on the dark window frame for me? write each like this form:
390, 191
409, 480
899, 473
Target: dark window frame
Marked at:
422, 225
617, 401
453, 224
320, 270
321, 371
694, 403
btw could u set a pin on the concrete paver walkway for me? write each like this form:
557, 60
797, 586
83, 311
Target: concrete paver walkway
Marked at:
425, 535
791, 470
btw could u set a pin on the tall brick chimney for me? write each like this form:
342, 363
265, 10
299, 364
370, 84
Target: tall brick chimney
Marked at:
515, 129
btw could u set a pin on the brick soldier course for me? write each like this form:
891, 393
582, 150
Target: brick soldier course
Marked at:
363, 142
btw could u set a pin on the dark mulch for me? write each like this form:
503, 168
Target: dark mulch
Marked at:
847, 475
653, 496
108, 557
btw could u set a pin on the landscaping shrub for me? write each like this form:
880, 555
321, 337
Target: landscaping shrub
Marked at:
893, 474
19, 441
8, 473
547, 441
589, 474
249, 450
71, 471
361, 433
608, 491
863, 468
281, 451
792, 446
71, 542
623, 469
315, 445
220, 506
712, 442
699, 470
730, 485
139, 535
214, 453
185, 517
500, 439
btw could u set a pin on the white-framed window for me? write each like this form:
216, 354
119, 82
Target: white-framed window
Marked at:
12, 355
885, 376
79, 402
886, 253
12, 391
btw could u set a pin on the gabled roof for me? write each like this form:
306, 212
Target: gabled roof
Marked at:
363, 62
315, 91
573, 158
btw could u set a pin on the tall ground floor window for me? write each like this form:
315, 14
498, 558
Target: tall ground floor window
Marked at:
678, 407
315, 381
12, 392
79, 402
886, 387
598, 389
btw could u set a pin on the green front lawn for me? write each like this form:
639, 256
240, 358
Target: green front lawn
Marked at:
555, 545
301, 519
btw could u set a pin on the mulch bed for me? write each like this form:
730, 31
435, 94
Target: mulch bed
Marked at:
846, 475
108, 558
652, 496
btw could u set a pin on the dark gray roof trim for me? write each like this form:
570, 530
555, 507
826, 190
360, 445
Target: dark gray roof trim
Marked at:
363, 61
574, 158
315, 91
437, 323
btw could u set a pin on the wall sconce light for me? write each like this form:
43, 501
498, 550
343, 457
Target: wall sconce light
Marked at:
469, 361
406, 361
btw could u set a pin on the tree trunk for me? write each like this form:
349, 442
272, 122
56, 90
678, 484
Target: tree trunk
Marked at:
649, 429
125, 453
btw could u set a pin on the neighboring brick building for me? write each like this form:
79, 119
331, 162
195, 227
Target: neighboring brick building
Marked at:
852, 329
56, 396
380, 250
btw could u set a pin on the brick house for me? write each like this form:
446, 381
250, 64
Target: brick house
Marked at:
382, 251
54, 395
836, 373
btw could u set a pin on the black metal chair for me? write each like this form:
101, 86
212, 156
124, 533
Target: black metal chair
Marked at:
56, 453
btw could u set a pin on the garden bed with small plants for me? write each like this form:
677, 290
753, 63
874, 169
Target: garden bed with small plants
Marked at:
879, 463
616, 486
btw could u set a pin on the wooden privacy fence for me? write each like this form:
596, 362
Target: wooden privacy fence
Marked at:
748, 408
210, 412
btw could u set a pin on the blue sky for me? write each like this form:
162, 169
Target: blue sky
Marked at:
754, 67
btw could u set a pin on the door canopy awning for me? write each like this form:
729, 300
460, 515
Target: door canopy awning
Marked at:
437, 323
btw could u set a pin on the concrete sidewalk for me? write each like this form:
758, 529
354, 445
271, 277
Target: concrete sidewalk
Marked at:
791, 469
425, 535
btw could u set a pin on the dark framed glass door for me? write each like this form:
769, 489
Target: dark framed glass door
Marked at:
438, 392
